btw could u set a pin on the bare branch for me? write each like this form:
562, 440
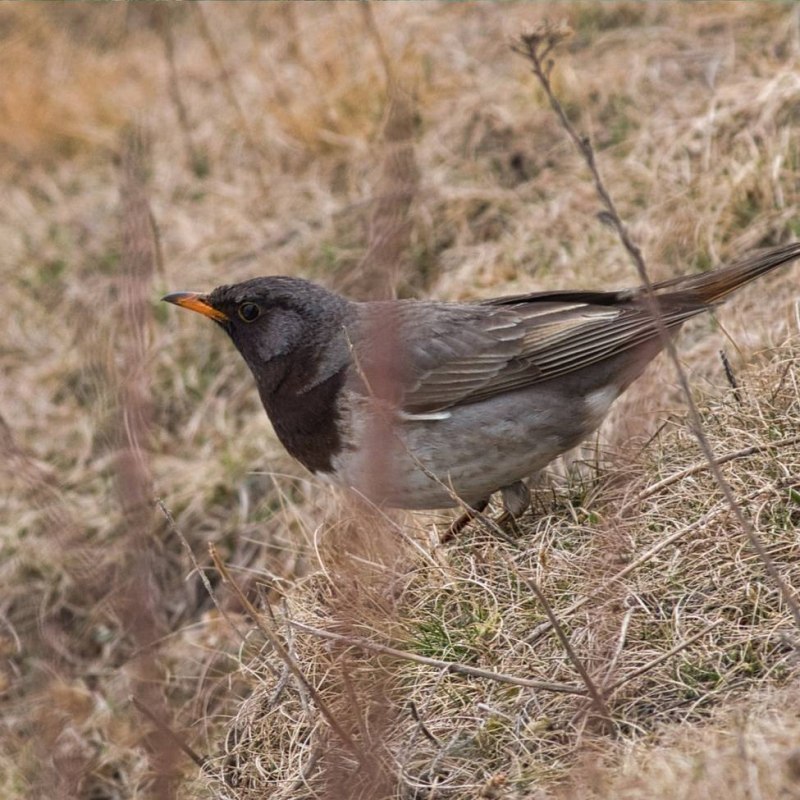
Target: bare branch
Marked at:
284, 654
536, 46
450, 666
700, 467
167, 731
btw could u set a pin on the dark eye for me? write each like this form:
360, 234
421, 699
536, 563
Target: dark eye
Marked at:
249, 312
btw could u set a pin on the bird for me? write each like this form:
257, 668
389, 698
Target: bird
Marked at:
426, 404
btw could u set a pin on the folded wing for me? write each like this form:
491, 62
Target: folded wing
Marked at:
453, 354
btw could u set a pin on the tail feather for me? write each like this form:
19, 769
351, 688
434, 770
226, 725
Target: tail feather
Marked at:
713, 287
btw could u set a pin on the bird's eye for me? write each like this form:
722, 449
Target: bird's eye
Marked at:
249, 312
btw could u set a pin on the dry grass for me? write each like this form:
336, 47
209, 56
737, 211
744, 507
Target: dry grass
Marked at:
312, 139
688, 578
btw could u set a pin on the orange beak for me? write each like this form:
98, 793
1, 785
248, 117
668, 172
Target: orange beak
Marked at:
195, 302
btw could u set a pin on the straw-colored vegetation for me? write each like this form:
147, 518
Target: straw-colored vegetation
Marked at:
148, 148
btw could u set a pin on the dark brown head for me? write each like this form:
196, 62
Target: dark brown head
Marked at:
292, 335
271, 318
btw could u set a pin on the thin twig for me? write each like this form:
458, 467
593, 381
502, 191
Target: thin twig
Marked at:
411, 741
700, 467
283, 654
450, 666
623, 635
536, 47
786, 370
591, 688
638, 562
412, 707
308, 768
139, 599
201, 761
302, 694
729, 374
173, 526
663, 657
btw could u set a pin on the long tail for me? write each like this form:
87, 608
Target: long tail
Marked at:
713, 287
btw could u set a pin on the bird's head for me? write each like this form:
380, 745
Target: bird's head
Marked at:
271, 318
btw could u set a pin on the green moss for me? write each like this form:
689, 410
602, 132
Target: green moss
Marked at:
698, 678
595, 17
702, 261
200, 165
746, 208
433, 640
107, 262
455, 630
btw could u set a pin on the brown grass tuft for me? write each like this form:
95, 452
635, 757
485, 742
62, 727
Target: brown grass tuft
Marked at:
681, 621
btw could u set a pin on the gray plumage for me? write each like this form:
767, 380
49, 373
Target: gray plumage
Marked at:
413, 402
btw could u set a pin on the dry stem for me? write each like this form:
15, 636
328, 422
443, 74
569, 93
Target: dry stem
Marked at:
536, 47
450, 666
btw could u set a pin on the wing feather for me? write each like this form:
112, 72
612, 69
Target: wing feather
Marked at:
462, 353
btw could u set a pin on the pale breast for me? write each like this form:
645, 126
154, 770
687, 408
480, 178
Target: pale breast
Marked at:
421, 461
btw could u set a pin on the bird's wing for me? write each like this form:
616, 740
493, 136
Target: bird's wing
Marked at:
429, 357
451, 354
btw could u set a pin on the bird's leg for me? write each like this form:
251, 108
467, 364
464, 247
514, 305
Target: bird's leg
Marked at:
516, 499
463, 520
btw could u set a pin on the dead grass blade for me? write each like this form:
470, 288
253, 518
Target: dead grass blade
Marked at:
449, 666
273, 638
651, 665
642, 559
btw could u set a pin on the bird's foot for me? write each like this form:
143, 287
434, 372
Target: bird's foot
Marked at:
516, 499
507, 523
463, 520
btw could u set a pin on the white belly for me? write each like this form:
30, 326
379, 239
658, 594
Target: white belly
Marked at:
470, 451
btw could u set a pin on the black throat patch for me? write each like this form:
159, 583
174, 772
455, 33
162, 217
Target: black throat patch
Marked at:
306, 421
